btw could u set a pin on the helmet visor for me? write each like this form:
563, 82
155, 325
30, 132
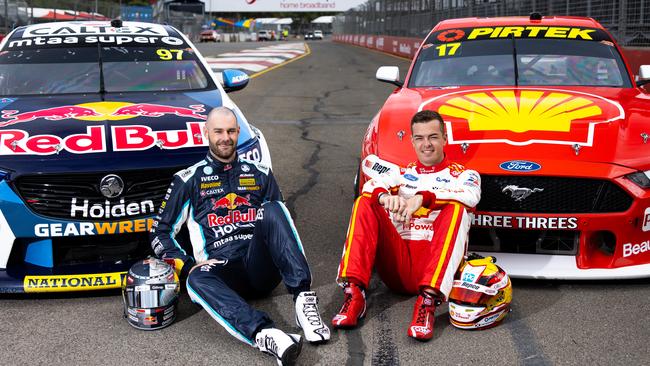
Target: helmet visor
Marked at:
468, 297
151, 296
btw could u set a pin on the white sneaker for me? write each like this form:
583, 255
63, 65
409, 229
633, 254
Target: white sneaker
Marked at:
285, 347
308, 318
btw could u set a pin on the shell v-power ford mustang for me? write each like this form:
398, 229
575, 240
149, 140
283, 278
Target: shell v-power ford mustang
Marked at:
550, 114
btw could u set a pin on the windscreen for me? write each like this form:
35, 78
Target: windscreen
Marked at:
68, 59
519, 55
151, 69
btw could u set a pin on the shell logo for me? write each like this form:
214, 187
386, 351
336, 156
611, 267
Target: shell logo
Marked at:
523, 116
421, 212
531, 110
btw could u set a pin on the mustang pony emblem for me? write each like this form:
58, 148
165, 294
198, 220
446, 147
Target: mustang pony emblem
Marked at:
519, 194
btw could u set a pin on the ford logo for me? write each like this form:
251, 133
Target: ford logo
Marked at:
520, 166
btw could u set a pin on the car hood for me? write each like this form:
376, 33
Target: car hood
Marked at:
82, 133
555, 127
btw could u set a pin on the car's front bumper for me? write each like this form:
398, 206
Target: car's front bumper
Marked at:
39, 254
541, 266
605, 245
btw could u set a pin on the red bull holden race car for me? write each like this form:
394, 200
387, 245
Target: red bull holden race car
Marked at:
550, 114
95, 118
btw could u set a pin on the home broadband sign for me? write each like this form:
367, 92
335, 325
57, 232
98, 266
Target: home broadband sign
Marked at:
241, 6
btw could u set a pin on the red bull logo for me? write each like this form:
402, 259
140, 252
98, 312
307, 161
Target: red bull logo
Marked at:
157, 110
523, 116
230, 201
11, 117
102, 111
233, 217
124, 138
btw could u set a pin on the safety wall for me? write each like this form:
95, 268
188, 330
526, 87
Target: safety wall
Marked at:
628, 21
637, 57
407, 46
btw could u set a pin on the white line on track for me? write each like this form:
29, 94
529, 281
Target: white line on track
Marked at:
256, 60
275, 60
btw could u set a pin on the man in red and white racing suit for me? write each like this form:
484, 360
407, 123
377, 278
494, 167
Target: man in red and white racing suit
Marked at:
412, 224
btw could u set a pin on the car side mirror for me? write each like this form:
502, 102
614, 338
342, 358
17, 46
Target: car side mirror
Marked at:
234, 80
389, 74
644, 75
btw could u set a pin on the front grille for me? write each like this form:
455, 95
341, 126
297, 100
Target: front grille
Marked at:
110, 253
122, 248
51, 195
554, 195
557, 242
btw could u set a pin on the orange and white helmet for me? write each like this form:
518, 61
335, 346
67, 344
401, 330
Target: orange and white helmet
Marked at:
481, 295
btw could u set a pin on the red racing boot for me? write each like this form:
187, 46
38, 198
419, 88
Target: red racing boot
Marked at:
353, 309
421, 327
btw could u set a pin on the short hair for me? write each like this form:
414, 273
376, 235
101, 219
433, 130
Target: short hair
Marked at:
222, 111
425, 116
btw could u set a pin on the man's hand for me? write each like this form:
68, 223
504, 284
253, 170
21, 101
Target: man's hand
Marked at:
395, 205
176, 264
209, 262
181, 268
412, 205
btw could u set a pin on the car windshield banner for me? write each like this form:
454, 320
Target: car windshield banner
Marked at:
545, 32
87, 34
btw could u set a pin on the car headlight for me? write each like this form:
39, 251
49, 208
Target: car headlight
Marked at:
641, 179
3, 175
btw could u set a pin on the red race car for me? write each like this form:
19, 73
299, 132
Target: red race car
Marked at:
549, 113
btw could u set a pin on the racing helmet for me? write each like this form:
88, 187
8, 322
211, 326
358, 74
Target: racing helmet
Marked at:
150, 294
481, 295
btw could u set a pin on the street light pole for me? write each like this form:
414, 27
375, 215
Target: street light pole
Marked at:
6, 17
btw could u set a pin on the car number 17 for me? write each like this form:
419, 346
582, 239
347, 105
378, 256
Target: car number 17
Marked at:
448, 49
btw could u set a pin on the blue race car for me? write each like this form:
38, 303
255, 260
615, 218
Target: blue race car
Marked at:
95, 118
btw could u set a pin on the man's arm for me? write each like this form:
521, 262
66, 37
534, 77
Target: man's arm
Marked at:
272, 192
171, 217
271, 189
465, 190
383, 186
384, 177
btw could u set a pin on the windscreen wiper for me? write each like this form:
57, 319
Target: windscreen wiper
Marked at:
102, 88
514, 58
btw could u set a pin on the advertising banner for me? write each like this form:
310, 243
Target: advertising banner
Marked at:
241, 6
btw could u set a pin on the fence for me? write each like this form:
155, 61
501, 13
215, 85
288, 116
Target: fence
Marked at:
187, 19
627, 20
14, 13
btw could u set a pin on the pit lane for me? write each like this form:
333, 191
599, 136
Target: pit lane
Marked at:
314, 112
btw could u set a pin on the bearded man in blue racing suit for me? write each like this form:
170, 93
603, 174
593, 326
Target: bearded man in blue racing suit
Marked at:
243, 239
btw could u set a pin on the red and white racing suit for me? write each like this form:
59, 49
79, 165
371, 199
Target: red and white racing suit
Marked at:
426, 251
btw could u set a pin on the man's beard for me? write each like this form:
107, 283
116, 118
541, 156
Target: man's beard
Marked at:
224, 154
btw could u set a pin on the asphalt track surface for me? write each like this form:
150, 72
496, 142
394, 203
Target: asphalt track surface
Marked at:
314, 112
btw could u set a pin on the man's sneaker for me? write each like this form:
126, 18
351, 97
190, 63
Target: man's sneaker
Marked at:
421, 327
285, 347
308, 318
353, 309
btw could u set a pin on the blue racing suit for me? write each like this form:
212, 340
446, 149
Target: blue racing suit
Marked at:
242, 233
